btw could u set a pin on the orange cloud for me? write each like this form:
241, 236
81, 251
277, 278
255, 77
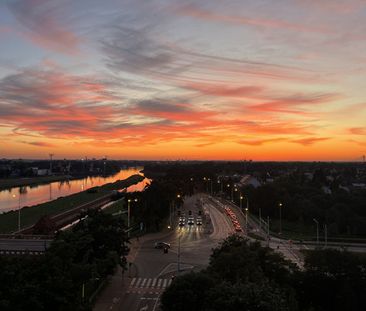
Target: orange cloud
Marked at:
358, 130
309, 141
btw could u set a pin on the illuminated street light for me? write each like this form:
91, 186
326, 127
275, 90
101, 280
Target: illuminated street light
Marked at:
246, 219
129, 213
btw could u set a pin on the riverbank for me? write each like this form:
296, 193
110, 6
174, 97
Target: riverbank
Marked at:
9, 183
30, 215
6, 184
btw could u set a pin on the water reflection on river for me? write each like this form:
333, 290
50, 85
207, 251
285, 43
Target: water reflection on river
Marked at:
35, 194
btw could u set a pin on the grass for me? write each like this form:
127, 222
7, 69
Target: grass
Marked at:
30, 215
115, 207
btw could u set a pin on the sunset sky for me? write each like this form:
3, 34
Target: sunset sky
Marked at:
174, 79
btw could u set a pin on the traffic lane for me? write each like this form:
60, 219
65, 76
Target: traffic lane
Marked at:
138, 302
150, 261
222, 226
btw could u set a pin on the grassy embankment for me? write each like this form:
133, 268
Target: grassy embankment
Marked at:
30, 215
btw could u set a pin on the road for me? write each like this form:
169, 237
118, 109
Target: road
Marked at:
152, 269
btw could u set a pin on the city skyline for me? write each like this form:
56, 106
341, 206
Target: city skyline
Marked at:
261, 80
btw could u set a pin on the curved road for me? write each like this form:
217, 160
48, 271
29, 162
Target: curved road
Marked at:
152, 269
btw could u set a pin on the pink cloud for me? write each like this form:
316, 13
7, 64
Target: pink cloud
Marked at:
45, 25
203, 14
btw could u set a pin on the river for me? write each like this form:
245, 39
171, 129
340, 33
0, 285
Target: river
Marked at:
35, 194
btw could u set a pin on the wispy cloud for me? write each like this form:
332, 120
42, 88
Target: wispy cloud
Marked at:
309, 140
358, 130
39, 143
45, 26
204, 14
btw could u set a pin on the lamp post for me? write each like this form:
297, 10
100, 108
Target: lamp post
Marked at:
280, 206
241, 202
178, 255
317, 230
268, 231
14, 196
246, 219
172, 208
325, 235
129, 214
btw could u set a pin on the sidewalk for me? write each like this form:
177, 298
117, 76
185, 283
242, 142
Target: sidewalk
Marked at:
111, 295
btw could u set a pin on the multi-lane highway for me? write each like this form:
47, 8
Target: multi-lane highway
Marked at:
152, 269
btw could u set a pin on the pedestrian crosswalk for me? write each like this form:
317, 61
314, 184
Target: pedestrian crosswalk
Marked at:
146, 284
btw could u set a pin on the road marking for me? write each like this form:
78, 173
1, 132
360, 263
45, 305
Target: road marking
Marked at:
169, 282
143, 282
164, 283
148, 282
145, 308
159, 283
138, 282
154, 282
133, 282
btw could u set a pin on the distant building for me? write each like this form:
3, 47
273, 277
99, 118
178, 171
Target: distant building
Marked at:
43, 172
249, 180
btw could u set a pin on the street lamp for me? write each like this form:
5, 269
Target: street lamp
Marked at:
129, 213
280, 206
241, 202
317, 230
246, 219
210, 180
14, 196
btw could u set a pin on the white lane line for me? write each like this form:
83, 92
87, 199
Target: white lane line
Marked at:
143, 283
132, 282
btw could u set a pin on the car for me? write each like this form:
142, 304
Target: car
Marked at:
162, 245
190, 221
199, 222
